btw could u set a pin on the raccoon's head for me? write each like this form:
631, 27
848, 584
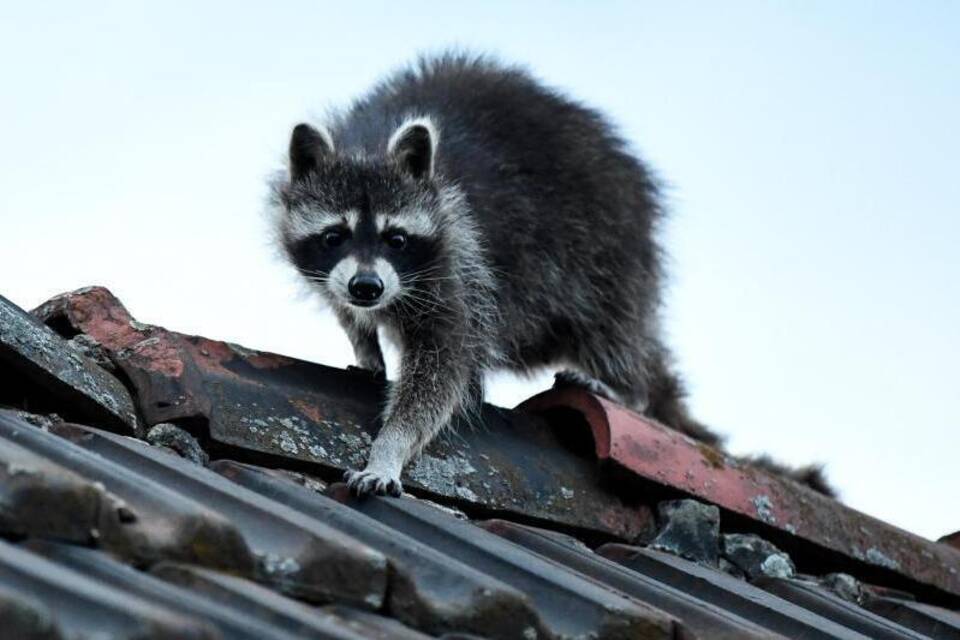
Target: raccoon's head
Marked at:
363, 229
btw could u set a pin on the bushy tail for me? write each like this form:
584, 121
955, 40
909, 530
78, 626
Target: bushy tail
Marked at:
668, 405
811, 475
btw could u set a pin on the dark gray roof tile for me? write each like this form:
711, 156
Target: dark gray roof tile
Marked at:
233, 623
703, 618
729, 593
147, 520
817, 599
932, 621
570, 604
298, 554
130, 540
83, 606
428, 589
31, 483
42, 371
333, 622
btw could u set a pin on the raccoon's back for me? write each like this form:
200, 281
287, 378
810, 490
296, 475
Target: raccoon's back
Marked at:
561, 202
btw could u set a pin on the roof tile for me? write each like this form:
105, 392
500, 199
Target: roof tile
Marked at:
814, 598
570, 604
703, 618
655, 454
298, 554
30, 483
231, 623
398, 568
83, 606
728, 592
147, 520
289, 409
336, 622
926, 619
43, 371
428, 589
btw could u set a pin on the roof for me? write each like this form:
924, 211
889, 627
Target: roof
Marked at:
188, 488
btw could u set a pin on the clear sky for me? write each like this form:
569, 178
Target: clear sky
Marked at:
811, 150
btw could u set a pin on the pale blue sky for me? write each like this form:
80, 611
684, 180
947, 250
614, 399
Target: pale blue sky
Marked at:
811, 150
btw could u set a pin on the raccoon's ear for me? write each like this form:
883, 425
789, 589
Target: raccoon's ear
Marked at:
413, 146
308, 148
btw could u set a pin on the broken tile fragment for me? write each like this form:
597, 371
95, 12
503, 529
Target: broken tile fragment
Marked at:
689, 529
756, 557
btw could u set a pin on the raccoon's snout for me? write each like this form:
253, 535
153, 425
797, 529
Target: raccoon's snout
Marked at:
365, 288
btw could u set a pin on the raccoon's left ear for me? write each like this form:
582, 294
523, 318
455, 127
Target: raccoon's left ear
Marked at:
413, 146
308, 148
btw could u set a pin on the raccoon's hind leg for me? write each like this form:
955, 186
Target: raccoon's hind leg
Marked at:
575, 378
611, 368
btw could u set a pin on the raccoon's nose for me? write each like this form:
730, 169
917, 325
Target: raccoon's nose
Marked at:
365, 286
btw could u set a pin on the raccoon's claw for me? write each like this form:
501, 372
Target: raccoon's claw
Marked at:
366, 482
572, 378
379, 375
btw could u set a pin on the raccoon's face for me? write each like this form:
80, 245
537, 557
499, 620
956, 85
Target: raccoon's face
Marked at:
362, 231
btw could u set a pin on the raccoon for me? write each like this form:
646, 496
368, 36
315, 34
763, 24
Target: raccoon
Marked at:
482, 221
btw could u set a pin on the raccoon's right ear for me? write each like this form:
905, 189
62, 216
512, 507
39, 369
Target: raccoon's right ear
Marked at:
413, 146
308, 148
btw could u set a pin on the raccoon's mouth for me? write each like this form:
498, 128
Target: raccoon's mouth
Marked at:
364, 303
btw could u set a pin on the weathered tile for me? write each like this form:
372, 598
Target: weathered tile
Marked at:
655, 454
571, 605
702, 618
78, 606
295, 553
729, 593
823, 603
41, 498
935, 622
281, 612
41, 372
232, 623
428, 590
262, 403
144, 521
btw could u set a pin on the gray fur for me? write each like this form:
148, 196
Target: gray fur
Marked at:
542, 251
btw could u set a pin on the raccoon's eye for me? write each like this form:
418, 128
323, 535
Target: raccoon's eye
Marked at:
333, 238
396, 240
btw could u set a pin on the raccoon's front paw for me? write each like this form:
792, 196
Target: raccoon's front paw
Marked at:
373, 481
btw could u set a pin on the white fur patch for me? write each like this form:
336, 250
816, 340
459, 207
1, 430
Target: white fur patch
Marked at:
413, 221
418, 121
352, 218
391, 281
339, 280
325, 134
303, 223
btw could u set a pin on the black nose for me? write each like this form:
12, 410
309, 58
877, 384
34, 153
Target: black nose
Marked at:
365, 286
